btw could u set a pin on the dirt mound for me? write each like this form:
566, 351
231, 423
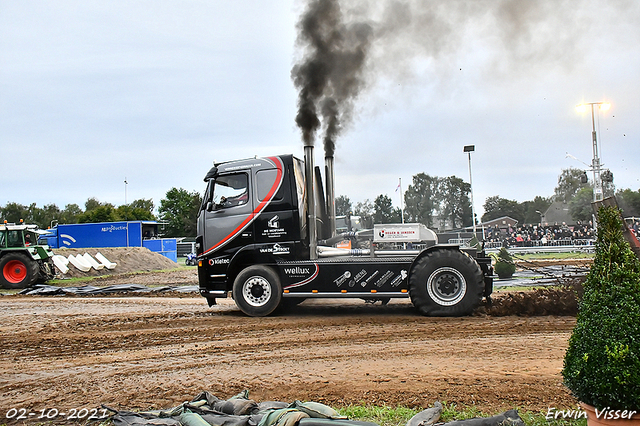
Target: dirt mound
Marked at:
562, 300
128, 259
541, 263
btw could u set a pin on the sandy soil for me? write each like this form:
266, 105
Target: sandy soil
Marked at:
156, 352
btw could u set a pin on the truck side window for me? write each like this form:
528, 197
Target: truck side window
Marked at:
230, 191
2, 238
264, 182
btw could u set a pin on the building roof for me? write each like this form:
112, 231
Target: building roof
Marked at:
501, 222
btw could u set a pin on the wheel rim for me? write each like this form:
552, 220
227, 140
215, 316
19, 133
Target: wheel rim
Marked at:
256, 291
15, 271
446, 286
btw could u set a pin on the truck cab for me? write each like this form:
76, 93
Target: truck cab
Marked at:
255, 243
252, 211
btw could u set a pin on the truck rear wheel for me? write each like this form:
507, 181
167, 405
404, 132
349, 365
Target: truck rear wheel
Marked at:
257, 291
17, 271
446, 283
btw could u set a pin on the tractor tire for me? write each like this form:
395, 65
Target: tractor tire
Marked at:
17, 270
446, 283
257, 291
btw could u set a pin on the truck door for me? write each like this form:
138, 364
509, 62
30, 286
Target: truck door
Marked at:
225, 217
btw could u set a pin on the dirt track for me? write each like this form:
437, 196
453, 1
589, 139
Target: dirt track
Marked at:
156, 352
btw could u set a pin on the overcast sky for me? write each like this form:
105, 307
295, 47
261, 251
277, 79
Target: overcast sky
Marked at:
93, 92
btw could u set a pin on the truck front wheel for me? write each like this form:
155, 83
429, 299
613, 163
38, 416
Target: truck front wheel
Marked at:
257, 291
17, 271
446, 283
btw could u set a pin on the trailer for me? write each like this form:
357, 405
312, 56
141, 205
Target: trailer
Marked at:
112, 234
266, 236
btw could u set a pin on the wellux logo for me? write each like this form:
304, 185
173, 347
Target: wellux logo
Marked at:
298, 270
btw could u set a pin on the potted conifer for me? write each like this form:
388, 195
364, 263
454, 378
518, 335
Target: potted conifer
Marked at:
602, 362
504, 267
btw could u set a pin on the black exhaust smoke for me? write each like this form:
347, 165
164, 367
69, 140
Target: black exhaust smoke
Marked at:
328, 77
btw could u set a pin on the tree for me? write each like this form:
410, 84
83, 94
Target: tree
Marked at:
422, 199
495, 207
384, 212
70, 214
365, 210
43, 217
570, 181
580, 205
179, 209
455, 202
629, 202
343, 205
91, 204
138, 210
103, 213
531, 208
13, 212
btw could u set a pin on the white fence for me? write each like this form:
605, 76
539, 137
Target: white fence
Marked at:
551, 246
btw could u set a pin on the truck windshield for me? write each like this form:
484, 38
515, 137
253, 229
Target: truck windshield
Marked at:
230, 191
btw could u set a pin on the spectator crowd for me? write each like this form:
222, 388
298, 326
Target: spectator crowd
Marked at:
537, 235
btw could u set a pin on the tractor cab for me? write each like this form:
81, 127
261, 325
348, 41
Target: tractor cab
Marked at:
23, 261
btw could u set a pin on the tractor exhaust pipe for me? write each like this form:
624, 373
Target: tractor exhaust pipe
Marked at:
311, 202
331, 194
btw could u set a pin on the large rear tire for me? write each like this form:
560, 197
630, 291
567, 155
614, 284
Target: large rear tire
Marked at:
446, 283
17, 270
257, 291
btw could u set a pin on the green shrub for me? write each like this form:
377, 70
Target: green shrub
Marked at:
504, 266
602, 362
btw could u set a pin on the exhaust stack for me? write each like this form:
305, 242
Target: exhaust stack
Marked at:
331, 193
311, 202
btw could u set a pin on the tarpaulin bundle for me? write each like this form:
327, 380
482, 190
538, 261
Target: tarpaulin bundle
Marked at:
51, 290
207, 410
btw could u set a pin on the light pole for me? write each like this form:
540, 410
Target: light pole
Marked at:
469, 149
595, 163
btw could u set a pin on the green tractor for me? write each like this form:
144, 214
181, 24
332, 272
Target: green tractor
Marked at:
23, 261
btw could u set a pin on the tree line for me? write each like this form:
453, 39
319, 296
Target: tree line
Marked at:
439, 203
444, 203
177, 213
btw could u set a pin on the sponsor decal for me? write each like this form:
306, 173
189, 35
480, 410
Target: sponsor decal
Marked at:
113, 228
246, 166
66, 237
368, 280
384, 279
390, 234
273, 228
297, 271
276, 249
399, 279
342, 278
219, 261
306, 272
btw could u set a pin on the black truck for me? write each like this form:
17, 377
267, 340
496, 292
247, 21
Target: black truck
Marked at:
266, 235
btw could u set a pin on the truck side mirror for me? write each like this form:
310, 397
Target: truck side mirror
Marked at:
212, 174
